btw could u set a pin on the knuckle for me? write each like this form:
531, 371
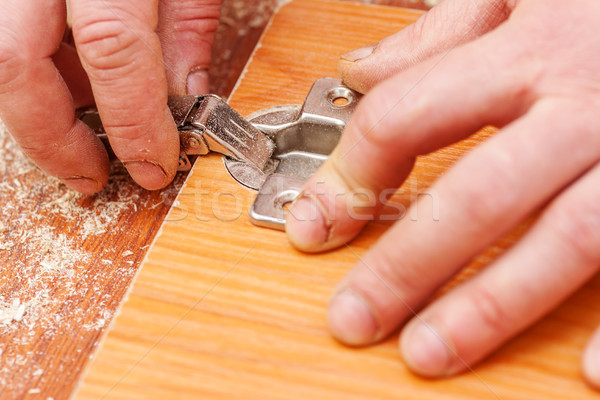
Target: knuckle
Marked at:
577, 224
418, 30
489, 309
496, 12
107, 44
195, 16
491, 192
375, 126
11, 61
407, 281
129, 140
130, 131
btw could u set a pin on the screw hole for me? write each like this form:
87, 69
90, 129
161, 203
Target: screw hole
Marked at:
340, 97
285, 199
340, 101
286, 206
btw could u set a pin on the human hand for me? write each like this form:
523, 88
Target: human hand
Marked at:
130, 55
531, 67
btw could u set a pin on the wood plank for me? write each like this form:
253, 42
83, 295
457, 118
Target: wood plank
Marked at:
242, 24
53, 315
225, 309
66, 262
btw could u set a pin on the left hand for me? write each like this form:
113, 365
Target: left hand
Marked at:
126, 56
531, 67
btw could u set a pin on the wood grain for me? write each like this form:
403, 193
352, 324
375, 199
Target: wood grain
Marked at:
66, 262
242, 24
223, 309
61, 277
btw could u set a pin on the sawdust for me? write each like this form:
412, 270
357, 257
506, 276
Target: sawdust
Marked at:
54, 285
11, 312
15, 310
254, 17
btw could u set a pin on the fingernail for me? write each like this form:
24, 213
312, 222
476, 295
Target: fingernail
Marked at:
591, 361
198, 82
83, 184
359, 54
425, 351
351, 320
306, 227
147, 174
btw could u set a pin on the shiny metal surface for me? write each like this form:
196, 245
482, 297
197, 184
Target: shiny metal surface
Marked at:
205, 124
274, 151
304, 137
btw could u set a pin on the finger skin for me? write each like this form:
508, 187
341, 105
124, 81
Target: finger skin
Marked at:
552, 261
591, 361
446, 26
186, 30
499, 184
413, 113
121, 54
67, 62
478, 201
35, 102
435, 104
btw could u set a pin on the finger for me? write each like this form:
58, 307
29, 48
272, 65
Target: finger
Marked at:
473, 205
67, 61
553, 260
186, 30
35, 102
449, 24
413, 113
121, 54
591, 360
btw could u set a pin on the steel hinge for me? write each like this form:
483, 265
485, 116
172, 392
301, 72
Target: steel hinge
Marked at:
273, 151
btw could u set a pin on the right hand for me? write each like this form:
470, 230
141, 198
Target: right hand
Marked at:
127, 57
530, 67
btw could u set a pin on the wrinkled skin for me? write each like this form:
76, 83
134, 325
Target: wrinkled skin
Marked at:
127, 57
530, 67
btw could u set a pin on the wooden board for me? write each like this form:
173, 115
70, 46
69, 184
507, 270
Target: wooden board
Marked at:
65, 258
242, 23
223, 309
66, 261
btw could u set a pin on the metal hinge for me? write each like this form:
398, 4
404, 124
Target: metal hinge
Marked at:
273, 151
205, 124
304, 136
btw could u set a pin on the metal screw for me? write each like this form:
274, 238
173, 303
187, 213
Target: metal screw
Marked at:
193, 143
182, 162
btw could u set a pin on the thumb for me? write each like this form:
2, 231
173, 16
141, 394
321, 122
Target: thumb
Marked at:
451, 23
186, 30
413, 113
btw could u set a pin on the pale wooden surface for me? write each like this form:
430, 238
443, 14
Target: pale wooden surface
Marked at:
223, 309
242, 24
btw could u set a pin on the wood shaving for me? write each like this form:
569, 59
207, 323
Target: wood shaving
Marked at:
11, 311
51, 288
